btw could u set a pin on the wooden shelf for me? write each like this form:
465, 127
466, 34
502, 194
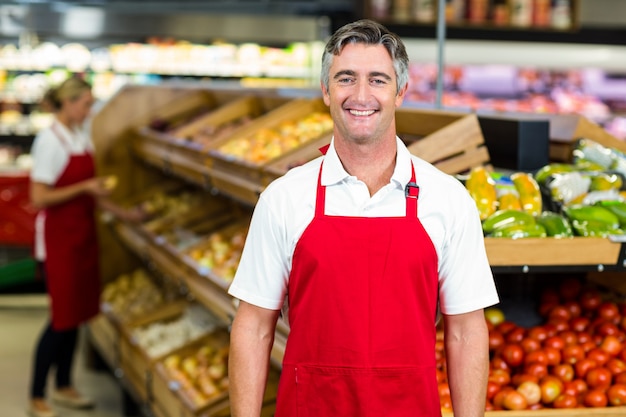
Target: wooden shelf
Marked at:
537, 254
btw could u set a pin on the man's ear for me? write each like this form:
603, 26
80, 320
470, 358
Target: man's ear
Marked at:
325, 94
401, 94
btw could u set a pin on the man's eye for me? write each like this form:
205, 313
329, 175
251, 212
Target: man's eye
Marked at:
344, 80
378, 81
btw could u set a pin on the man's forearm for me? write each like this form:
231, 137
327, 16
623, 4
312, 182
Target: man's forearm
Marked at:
467, 356
250, 348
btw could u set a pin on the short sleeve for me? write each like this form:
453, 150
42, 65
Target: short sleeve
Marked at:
263, 270
49, 158
466, 280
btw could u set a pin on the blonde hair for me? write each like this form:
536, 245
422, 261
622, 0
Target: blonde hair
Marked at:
70, 89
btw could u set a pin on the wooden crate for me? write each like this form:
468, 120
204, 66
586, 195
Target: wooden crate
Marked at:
134, 361
106, 337
169, 395
296, 158
453, 142
566, 129
244, 179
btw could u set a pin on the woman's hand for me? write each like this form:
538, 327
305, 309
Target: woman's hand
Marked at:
96, 187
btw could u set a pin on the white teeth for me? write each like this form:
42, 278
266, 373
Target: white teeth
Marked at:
361, 112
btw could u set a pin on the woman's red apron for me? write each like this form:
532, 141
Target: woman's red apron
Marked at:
363, 300
72, 273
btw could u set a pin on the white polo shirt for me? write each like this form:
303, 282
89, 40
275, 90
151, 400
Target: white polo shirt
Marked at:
50, 158
445, 209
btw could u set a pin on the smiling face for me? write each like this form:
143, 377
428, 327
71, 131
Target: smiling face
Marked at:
362, 94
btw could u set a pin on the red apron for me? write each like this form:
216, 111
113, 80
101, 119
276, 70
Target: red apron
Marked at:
72, 273
363, 299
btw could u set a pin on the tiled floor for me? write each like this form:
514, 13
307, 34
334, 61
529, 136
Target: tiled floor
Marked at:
21, 320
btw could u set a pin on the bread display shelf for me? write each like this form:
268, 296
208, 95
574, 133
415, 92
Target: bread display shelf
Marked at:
545, 254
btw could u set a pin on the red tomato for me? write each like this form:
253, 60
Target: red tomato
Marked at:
584, 337
607, 329
565, 401
550, 390
560, 325
498, 399
492, 389
569, 289
620, 378
599, 378
506, 326
579, 324
512, 354
611, 345
539, 333
537, 369
443, 388
556, 342
496, 340
590, 299
519, 378
570, 337
446, 403
563, 371
516, 335
538, 356
530, 344
574, 308
588, 345
499, 363
617, 394
609, 311
500, 377
577, 387
583, 366
558, 313
595, 398
599, 356
531, 392
616, 366
514, 400
553, 355
573, 353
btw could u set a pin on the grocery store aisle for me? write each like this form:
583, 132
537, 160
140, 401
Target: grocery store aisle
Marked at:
21, 319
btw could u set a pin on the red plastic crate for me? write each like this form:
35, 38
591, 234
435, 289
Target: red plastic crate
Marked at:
17, 215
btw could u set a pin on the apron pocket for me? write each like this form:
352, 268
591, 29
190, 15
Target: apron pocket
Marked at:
364, 392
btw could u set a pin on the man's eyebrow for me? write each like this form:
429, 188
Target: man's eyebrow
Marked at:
352, 73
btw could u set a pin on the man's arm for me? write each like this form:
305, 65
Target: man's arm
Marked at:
467, 355
251, 340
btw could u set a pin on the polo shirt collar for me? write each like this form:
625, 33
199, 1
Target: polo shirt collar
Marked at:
334, 172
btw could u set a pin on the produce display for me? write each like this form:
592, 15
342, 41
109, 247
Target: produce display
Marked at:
585, 198
271, 142
575, 357
200, 373
161, 337
132, 295
221, 251
207, 135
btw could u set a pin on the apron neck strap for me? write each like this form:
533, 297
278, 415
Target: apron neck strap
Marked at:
411, 192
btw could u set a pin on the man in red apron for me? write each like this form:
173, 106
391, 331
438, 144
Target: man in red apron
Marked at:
364, 244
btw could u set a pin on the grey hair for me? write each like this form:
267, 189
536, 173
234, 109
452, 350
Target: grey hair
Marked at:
370, 33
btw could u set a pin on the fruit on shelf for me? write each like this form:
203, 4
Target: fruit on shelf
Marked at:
507, 218
555, 224
518, 231
132, 295
271, 142
162, 337
221, 252
207, 135
482, 189
573, 357
592, 220
201, 373
529, 193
